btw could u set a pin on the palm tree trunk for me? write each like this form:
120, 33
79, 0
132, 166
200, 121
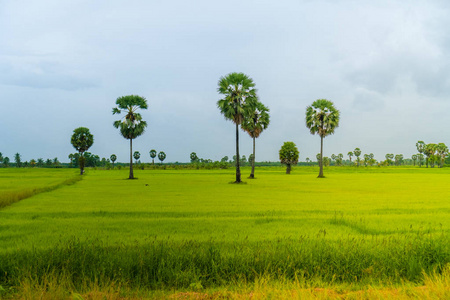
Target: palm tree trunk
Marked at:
252, 174
238, 169
321, 158
288, 169
131, 160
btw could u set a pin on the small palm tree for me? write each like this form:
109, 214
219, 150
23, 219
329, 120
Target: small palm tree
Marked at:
81, 140
132, 125
322, 118
136, 156
239, 97
254, 124
5, 161
357, 153
350, 154
161, 156
414, 158
113, 158
17, 160
193, 156
289, 155
153, 155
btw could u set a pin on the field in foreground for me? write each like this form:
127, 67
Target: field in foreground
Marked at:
192, 231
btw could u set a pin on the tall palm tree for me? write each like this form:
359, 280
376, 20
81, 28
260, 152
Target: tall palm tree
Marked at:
256, 123
357, 153
239, 97
322, 118
131, 125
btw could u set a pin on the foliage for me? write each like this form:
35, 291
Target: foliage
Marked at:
289, 155
153, 155
81, 140
136, 155
17, 160
194, 158
161, 156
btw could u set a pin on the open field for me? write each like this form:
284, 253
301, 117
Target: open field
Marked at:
190, 229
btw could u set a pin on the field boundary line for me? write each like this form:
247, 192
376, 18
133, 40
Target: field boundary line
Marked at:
12, 197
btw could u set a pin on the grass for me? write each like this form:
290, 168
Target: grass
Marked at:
189, 231
18, 184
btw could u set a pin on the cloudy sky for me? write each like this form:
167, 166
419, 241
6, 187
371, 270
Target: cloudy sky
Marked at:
385, 65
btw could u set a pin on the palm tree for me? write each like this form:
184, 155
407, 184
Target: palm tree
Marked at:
161, 156
357, 153
1, 157
414, 158
136, 156
132, 125
113, 158
340, 156
239, 98
17, 160
5, 161
40, 162
442, 152
256, 123
350, 154
322, 118
81, 140
193, 156
153, 155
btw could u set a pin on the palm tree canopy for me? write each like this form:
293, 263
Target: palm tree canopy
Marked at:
322, 117
132, 124
289, 153
239, 96
257, 121
152, 153
82, 139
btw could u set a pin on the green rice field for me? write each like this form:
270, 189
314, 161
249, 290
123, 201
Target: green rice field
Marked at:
191, 231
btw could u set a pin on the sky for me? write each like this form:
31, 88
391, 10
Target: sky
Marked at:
63, 64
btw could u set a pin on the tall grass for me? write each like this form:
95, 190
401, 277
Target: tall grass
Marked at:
10, 197
165, 264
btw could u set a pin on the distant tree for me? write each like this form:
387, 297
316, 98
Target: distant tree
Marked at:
366, 159
318, 158
161, 156
350, 154
32, 163
92, 160
254, 125
414, 158
326, 161
398, 159
17, 160
322, 118
1, 157
136, 156
420, 145
307, 160
194, 157
389, 158
40, 162
132, 125
420, 159
48, 163
82, 140
153, 155
5, 161
333, 158
289, 155
442, 153
25, 164
243, 161
224, 159
251, 159
239, 98
56, 162
357, 153
340, 157
113, 158
429, 151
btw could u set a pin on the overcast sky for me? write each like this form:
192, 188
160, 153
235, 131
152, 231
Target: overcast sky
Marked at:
385, 65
